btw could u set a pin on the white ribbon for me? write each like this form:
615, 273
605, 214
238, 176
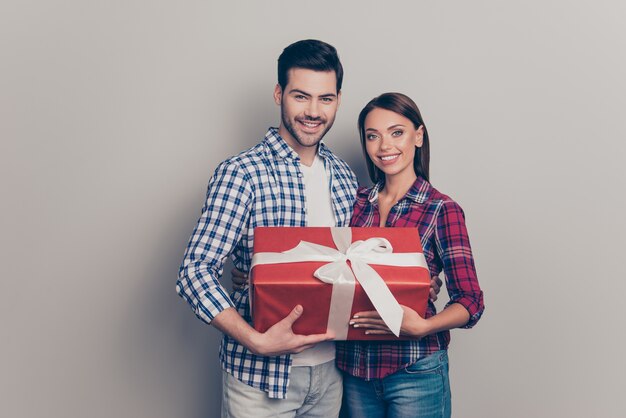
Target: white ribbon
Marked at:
338, 273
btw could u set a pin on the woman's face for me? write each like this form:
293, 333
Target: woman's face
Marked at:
390, 142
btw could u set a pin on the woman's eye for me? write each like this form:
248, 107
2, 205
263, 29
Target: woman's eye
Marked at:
397, 133
371, 137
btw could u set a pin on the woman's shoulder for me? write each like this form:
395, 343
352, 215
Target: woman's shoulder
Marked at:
363, 191
362, 198
444, 200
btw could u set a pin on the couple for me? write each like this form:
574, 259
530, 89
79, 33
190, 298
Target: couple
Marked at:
291, 178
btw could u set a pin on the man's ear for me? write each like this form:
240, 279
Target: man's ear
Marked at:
278, 94
338, 98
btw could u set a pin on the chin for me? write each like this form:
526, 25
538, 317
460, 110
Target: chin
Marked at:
308, 141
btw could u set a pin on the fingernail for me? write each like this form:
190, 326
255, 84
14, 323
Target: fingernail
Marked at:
355, 317
367, 332
356, 325
351, 322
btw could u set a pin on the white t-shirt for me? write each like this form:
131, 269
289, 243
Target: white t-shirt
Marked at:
319, 212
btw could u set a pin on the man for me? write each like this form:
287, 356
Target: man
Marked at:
289, 179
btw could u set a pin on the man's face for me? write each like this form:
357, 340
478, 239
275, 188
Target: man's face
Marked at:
308, 106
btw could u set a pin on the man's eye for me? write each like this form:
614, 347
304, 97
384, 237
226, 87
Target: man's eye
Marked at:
300, 97
327, 100
397, 133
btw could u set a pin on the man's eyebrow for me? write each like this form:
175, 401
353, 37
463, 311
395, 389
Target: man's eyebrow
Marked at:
304, 93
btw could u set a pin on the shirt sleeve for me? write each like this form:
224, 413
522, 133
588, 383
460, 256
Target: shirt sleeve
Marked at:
453, 247
224, 216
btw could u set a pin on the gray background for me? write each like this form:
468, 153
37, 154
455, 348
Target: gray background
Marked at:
114, 114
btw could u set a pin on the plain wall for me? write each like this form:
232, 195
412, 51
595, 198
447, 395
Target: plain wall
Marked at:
113, 115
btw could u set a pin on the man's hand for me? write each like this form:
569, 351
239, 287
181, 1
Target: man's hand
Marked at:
277, 340
240, 279
280, 339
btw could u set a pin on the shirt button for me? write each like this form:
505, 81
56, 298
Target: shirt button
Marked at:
299, 174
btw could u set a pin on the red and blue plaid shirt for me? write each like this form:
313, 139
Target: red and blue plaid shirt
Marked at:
441, 225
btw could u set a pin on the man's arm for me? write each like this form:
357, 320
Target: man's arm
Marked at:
277, 340
224, 216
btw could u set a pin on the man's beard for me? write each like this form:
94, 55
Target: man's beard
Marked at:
299, 138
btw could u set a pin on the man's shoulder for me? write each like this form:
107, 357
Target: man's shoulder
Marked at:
246, 161
341, 164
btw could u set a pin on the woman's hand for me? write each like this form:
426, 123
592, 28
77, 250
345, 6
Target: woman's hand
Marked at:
413, 325
240, 279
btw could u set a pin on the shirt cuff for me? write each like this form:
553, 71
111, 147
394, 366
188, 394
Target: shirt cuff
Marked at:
213, 303
475, 309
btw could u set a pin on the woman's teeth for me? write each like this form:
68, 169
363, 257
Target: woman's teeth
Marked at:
389, 157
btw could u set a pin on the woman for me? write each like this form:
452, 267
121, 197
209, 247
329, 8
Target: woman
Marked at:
408, 378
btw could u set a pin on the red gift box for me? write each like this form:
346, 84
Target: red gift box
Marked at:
277, 287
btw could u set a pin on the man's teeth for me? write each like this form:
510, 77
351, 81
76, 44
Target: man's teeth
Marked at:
388, 157
310, 124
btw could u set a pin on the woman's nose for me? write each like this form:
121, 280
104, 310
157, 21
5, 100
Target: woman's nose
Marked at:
385, 142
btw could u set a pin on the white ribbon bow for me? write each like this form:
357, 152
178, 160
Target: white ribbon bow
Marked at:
338, 273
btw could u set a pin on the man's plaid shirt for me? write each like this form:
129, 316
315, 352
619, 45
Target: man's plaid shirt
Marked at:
262, 186
441, 224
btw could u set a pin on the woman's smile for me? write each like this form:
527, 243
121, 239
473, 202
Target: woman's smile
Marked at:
388, 159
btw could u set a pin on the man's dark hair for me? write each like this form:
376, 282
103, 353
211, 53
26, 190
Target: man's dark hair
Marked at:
309, 54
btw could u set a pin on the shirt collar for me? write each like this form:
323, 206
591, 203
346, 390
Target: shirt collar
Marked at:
280, 147
418, 192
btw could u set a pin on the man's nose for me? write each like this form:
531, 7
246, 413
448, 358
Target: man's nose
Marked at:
312, 109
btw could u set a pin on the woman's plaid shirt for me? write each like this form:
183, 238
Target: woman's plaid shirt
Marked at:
441, 225
262, 186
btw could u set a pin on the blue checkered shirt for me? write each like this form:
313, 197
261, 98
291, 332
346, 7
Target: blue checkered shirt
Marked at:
262, 186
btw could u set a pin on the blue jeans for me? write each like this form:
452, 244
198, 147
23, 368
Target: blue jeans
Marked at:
422, 390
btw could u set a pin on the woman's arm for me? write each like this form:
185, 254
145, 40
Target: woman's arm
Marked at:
453, 249
466, 298
413, 325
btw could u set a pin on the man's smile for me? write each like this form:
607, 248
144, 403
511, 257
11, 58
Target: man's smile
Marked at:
309, 126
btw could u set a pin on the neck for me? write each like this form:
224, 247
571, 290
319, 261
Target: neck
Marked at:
397, 186
306, 154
